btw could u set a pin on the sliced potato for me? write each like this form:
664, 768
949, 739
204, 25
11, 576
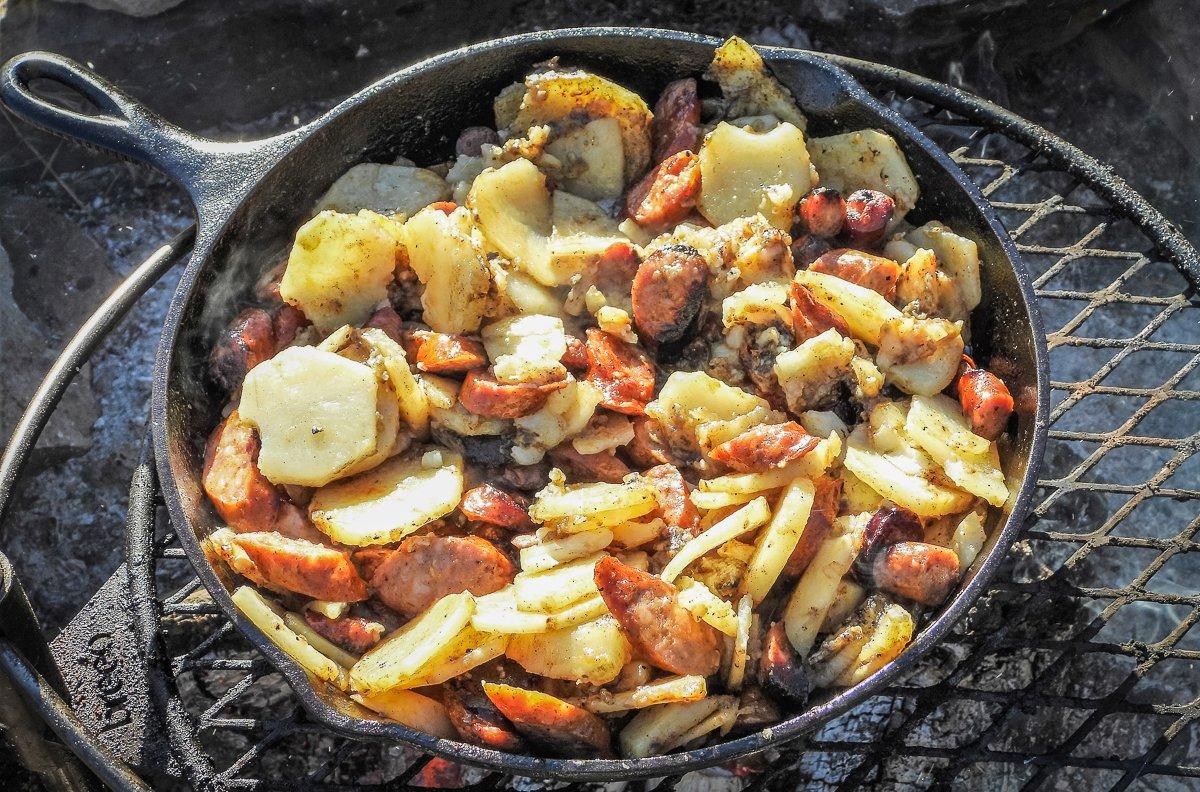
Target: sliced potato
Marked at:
558, 587
519, 293
337, 654
748, 518
936, 424
593, 652
956, 255
968, 538
739, 168
920, 355
670, 690
816, 589
565, 414
388, 503
778, 540
699, 599
340, 267
892, 632
566, 98
526, 348
807, 373
555, 552
903, 478
866, 159
592, 157
261, 613
512, 205
386, 189
653, 729
597, 504
446, 253
814, 463
429, 638
846, 599
468, 649
758, 304
316, 414
699, 409
749, 86
412, 709
413, 400
741, 644
865, 311
636, 533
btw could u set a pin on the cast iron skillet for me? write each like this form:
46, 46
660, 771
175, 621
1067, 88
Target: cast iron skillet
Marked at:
251, 196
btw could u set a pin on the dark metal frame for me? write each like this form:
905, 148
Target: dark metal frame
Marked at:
1099, 179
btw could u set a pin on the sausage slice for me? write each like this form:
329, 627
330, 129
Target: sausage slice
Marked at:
917, 570
425, 568
765, 447
248, 341
483, 394
676, 124
810, 318
478, 720
623, 373
668, 292
667, 194
352, 633
494, 506
867, 270
231, 478
307, 568
986, 402
555, 725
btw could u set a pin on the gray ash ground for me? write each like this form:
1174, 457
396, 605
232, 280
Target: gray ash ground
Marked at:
1119, 86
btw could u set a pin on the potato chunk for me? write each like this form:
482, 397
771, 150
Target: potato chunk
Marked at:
386, 189
866, 159
316, 414
446, 253
743, 172
399, 659
593, 159
512, 204
388, 503
526, 349
957, 256
340, 267
592, 652
695, 408
750, 88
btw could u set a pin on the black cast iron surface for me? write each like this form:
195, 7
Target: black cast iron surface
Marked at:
1064, 676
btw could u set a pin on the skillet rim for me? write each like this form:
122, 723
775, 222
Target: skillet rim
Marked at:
600, 769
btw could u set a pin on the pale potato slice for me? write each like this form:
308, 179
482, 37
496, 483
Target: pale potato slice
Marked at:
663, 691
526, 348
699, 409
582, 232
518, 293
636, 533
565, 414
702, 603
903, 477
316, 414
446, 253
512, 206
653, 729
814, 463
498, 613
739, 168
741, 644
556, 588
720, 721
865, 311
412, 709
388, 503
750, 88
340, 266
816, 589
411, 398
402, 656
598, 504
711, 501
386, 189
866, 159
593, 652
337, 654
807, 372
920, 355
748, 518
957, 256
969, 537
567, 98
846, 599
592, 157
263, 615
892, 632
936, 424
469, 649
778, 540
555, 552
758, 304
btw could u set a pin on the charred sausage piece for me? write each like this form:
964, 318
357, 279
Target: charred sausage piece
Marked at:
622, 371
552, 724
425, 568
483, 394
781, 671
811, 318
526, 478
307, 568
888, 525
667, 194
668, 292
822, 212
649, 612
986, 402
241, 494
674, 504
478, 721
470, 140
447, 353
589, 467
575, 358
286, 323
868, 213
676, 124
494, 506
293, 522
354, 634
869, 271
918, 571
820, 523
807, 248
248, 341
765, 447
387, 320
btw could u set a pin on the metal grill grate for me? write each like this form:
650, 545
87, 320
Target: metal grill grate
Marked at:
1077, 669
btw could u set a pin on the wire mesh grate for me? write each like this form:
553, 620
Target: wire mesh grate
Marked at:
1080, 667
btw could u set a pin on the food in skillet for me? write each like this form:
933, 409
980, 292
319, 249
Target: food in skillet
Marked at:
628, 429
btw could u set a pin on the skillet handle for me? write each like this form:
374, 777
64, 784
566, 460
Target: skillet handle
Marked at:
214, 174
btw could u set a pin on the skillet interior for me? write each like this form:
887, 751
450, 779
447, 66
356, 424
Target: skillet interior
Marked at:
417, 113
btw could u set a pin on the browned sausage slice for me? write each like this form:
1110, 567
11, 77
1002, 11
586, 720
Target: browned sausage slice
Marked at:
811, 318
248, 341
917, 570
668, 292
307, 568
352, 633
674, 504
781, 671
494, 506
479, 721
820, 523
241, 494
293, 522
447, 353
649, 612
676, 124
822, 212
867, 270
868, 213
764, 447
622, 371
425, 568
986, 402
286, 323
667, 194
483, 394
553, 724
